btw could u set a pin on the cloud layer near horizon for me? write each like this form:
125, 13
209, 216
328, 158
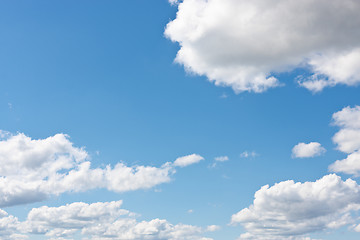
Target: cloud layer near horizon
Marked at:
31, 170
241, 44
101, 220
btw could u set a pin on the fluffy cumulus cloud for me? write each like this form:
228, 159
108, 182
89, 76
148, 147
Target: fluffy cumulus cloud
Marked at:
31, 170
9, 227
241, 43
102, 220
347, 140
290, 210
306, 150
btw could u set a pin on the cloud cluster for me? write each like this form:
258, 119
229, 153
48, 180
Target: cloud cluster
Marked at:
241, 43
306, 150
9, 227
102, 220
288, 210
31, 170
347, 140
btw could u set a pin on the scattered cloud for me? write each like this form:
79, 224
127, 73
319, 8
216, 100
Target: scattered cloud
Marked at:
31, 170
241, 44
247, 154
9, 227
187, 160
290, 210
306, 150
102, 220
174, 2
349, 165
224, 95
347, 140
222, 158
213, 228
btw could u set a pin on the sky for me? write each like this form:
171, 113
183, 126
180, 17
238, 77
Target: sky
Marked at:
179, 120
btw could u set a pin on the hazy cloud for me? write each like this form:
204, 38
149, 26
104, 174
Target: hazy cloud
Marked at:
222, 158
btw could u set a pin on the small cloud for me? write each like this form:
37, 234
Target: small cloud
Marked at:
10, 105
248, 154
174, 2
213, 165
97, 153
221, 158
187, 160
212, 228
224, 95
225, 176
190, 211
306, 150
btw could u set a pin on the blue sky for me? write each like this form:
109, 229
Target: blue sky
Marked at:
105, 74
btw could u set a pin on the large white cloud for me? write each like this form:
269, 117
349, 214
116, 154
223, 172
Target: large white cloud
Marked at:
241, 43
102, 220
290, 210
31, 170
305, 150
347, 140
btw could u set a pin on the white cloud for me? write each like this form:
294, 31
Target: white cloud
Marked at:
213, 228
9, 227
305, 150
102, 220
247, 154
187, 160
290, 210
241, 43
348, 117
334, 68
347, 140
31, 170
174, 2
349, 165
222, 158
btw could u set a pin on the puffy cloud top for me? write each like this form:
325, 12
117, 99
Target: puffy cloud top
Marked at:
305, 150
290, 209
241, 43
347, 140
